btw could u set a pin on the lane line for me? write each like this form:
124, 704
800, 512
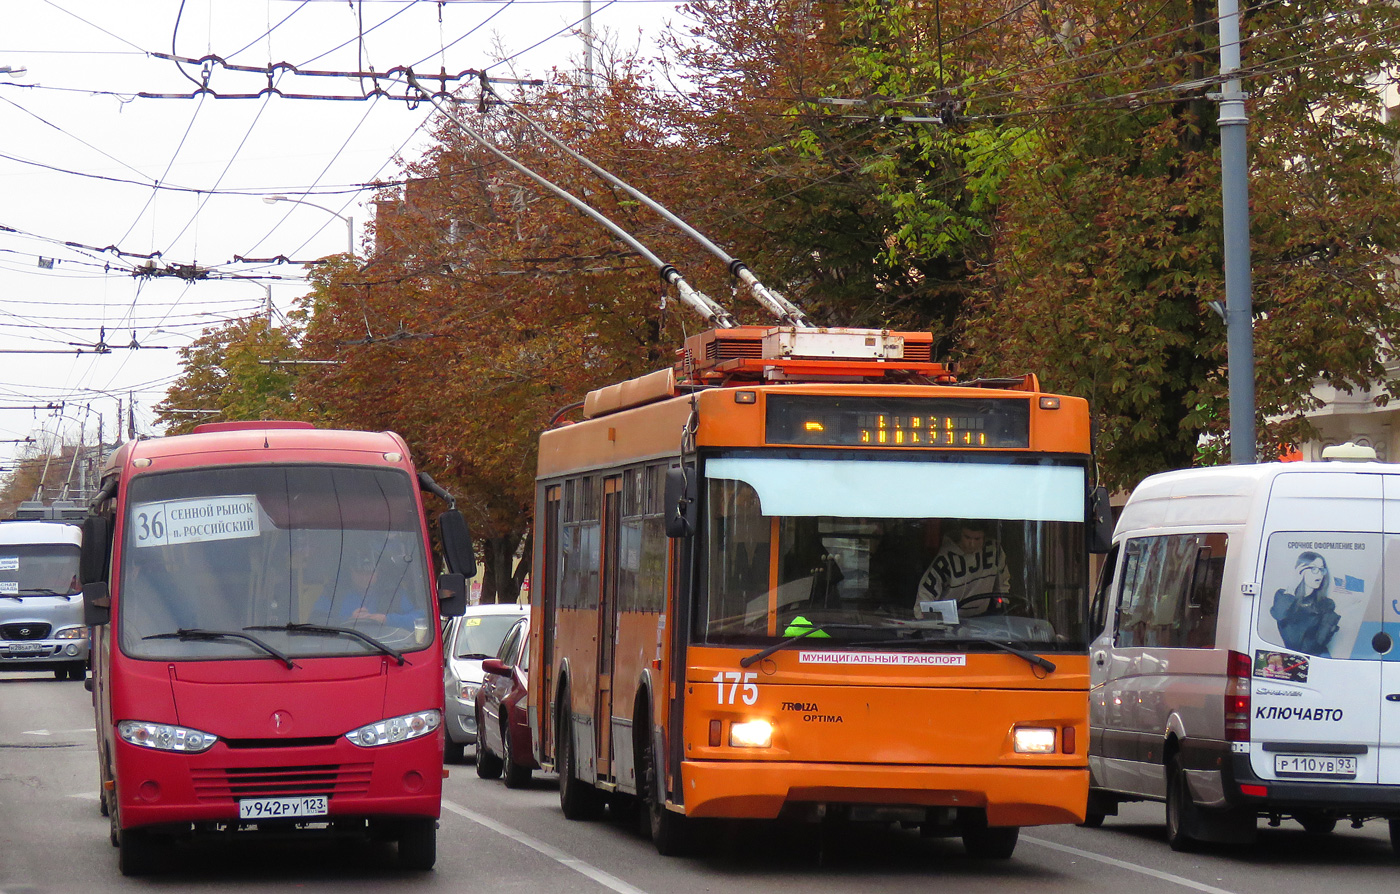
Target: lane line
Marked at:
1131, 867
605, 879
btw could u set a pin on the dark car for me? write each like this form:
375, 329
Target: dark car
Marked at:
503, 727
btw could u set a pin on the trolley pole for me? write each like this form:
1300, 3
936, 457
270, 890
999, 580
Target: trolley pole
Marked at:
1234, 176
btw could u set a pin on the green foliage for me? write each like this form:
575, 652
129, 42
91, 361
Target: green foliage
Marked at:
231, 373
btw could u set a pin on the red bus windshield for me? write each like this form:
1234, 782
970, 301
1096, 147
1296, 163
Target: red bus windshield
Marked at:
309, 560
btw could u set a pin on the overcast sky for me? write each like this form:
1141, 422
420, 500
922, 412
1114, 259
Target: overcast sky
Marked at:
81, 156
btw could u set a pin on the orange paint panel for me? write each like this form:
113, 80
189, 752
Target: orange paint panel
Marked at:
1012, 796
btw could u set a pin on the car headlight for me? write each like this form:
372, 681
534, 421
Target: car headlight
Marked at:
396, 729
1033, 740
71, 633
751, 734
466, 692
165, 736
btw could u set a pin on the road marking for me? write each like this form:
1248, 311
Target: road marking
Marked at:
56, 732
1131, 867
608, 881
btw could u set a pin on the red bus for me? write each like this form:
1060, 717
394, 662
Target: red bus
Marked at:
809, 574
267, 657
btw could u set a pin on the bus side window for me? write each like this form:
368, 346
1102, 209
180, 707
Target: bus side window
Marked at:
1204, 606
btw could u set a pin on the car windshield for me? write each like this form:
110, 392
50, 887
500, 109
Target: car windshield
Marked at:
309, 560
480, 636
898, 554
38, 569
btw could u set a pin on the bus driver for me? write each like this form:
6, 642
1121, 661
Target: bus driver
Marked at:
969, 565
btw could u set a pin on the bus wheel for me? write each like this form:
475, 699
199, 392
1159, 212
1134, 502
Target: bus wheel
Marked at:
488, 766
988, 842
1394, 823
578, 799
516, 776
137, 852
1183, 816
668, 830
418, 845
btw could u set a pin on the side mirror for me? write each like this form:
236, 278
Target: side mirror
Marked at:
97, 546
457, 543
495, 666
680, 505
452, 595
1100, 521
97, 604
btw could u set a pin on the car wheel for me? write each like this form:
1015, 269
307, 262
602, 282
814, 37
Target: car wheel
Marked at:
488, 766
1317, 823
1182, 812
418, 845
60, 673
516, 776
454, 752
578, 799
988, 842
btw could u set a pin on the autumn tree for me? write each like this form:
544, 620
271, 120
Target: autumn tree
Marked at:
233, 373
1108, 264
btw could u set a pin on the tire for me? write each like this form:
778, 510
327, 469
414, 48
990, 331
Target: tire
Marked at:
60, 673
454, 752
138, 852
1317, 823
488, 766
578, 799
1093, 819
1183, 816
1394, 823
418, 845
985, 842
516, 776
668, 830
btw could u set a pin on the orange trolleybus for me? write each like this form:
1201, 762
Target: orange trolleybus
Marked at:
267, 658
757, 593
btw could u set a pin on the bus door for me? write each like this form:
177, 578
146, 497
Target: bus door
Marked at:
607, 620
548, 590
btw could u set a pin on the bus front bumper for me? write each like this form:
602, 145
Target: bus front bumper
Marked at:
1011, 796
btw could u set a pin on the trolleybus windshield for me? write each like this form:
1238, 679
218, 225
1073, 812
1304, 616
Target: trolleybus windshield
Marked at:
307, 560
937, 554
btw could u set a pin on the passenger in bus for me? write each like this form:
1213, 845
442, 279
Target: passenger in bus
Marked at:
366, 600
969, 564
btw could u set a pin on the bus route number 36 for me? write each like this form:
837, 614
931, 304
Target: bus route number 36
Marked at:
735, 679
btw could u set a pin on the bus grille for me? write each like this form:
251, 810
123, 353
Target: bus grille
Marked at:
914, 352
35, 630
275, 782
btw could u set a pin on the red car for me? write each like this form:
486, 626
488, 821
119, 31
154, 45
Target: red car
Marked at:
503, 728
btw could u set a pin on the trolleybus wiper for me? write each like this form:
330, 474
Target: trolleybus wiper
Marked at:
185, 633
327, 630
1046, 664
815, 628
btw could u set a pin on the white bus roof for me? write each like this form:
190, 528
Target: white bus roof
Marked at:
1220, 495
29, 532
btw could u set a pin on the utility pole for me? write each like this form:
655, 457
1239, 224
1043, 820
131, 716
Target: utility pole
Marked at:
588, 45
131, 415
1234, 182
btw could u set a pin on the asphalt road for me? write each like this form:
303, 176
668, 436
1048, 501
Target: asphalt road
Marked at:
495, 840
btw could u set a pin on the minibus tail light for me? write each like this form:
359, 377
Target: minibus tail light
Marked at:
1239, 671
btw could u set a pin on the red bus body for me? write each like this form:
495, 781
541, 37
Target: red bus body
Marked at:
281, 731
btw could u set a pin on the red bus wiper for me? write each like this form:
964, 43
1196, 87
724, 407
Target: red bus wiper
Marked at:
198, 633
327, 630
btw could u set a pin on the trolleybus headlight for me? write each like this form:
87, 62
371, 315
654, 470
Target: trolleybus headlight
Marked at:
71, 633
751, 734
396, 729
165, 737
1034, 740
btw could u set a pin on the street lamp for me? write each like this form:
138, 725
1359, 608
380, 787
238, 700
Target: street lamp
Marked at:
349, 222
